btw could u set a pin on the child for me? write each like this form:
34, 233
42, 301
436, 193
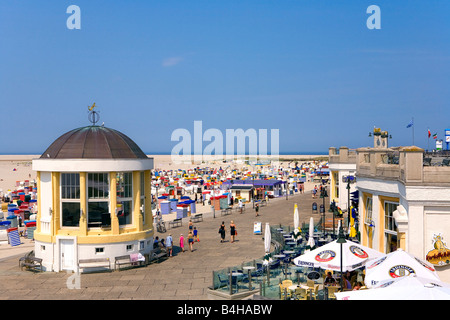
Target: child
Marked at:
196, 235
182, 242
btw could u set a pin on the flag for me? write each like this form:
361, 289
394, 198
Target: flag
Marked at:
410, 124
429, 133
435, 136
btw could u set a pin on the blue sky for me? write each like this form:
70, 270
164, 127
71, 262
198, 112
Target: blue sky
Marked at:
311, 69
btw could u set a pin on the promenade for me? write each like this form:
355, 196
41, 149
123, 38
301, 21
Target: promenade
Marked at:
185, 276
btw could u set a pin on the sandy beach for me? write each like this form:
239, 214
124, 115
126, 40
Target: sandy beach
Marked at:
14, 168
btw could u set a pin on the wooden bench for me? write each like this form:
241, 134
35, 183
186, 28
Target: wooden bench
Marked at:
176, 223
94, 263
156, 255
31, 263
197, 217
126, 260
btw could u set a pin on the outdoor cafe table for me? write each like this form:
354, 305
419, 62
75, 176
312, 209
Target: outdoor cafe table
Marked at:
291, 243
298, 270
236, 275
248, 268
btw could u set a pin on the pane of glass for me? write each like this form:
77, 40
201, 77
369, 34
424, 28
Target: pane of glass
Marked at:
70, 214
125, 213
95, 212
70, 186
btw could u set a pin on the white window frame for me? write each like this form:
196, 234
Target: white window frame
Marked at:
67, 200
95, 199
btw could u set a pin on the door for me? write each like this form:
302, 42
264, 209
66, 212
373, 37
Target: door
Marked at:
67, 254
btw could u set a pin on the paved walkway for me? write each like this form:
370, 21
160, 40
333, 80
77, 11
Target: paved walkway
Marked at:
184, 276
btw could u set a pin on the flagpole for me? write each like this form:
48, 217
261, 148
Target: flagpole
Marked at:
413, 129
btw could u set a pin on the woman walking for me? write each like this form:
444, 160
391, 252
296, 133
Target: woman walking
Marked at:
182, 242
233, 231
222, 232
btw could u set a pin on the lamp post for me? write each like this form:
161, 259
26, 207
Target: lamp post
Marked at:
341, 240
323, 195
348, 202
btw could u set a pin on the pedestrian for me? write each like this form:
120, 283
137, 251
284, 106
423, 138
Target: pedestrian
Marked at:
156, 242
233, 231
241, 205
162, 245
169, 243
182, 242
191, 225
190, 241
196, 238
257, 209
222, 232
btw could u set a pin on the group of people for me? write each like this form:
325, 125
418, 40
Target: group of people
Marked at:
349, 281
167, 245
233, 231
191, 237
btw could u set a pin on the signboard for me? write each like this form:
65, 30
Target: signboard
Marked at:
440, 254
257, 229
439, 145
447, 137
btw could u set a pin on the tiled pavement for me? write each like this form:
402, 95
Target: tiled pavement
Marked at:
184, 276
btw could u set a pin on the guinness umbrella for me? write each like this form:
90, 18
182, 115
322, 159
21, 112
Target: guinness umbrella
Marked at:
398, 264
296, 218
267, 238
328, 256
311, 243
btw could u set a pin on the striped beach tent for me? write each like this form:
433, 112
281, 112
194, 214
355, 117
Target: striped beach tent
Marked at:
14, 239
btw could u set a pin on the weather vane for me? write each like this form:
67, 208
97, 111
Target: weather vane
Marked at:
93, 115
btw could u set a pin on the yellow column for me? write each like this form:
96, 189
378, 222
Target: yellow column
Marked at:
113, 203
402, 240
38, 215
148, 199
137, 216
55, 202
83, 204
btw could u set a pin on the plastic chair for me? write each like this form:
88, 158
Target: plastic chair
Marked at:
331, 291
301, 294
223, 280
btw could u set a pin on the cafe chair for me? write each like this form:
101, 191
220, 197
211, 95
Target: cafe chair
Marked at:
331, 291
300, 294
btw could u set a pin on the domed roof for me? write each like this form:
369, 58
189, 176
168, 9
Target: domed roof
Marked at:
93, 142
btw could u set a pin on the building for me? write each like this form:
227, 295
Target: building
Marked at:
94, 198
404, 202
342, 166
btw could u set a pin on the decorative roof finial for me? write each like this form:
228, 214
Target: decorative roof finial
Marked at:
94, 117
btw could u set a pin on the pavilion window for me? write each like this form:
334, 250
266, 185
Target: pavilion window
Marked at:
142, 203
390, 229
125, 197
98, 200
70, 199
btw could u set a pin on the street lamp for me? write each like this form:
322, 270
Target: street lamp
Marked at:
341, 240
323, 195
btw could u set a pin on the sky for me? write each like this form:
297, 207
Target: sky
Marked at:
311, 69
